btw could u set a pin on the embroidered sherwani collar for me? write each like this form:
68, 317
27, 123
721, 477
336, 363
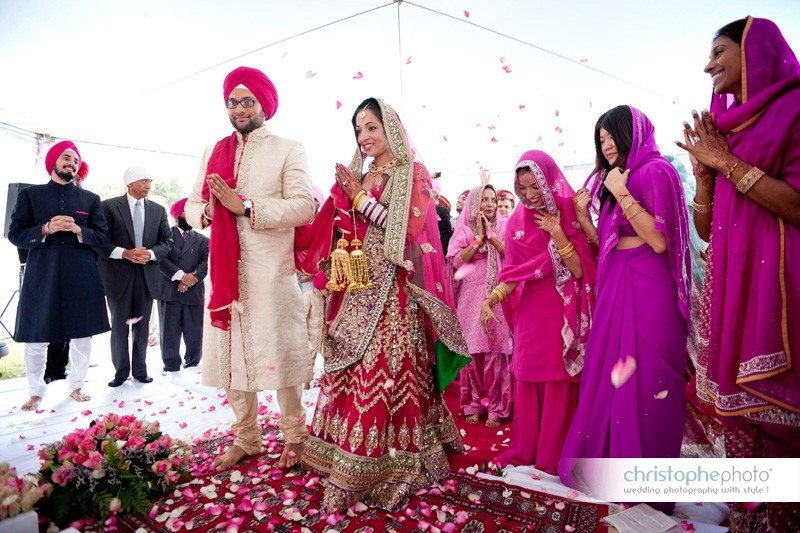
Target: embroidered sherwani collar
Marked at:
258, 134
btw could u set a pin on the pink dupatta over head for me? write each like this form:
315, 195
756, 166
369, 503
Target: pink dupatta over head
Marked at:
531, 256
750, 315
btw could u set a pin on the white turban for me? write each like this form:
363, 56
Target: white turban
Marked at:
136, 174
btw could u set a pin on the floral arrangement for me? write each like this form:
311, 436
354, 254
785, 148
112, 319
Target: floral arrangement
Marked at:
112, 467
17, 495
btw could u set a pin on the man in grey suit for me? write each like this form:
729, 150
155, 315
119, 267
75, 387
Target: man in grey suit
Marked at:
180, 305
139, 238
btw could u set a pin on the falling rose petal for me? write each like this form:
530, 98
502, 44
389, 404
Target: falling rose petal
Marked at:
358, 75
559, 130
388, 384
522, 106
39, 411
29, 447
558, 112
573, 494
484, 402
338, 104
133, 320
560, 506
535, 476
569, 529
622, 371
87, 412
539, 139
466, 13
408, 60
686, 525
507, 69
661, 395
445, 138
463, 271
502, 59
493, 139
121, 404
182, 425
584, 60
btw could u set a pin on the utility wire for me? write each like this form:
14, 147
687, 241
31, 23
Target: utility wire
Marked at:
537, 47
285, 39
35, 135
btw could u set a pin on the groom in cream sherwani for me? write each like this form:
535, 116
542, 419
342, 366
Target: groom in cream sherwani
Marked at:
253, 188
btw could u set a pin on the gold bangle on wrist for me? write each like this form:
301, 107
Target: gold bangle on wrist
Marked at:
749, 179
639, 212
358, 199
566, 251
729, 173
702, 208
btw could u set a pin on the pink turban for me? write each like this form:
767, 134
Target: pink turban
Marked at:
177, 208
83, 170
258, 84
55, 152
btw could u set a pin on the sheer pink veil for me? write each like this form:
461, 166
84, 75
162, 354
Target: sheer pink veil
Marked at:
464, 233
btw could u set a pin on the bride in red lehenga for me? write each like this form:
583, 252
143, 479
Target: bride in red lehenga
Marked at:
391, 339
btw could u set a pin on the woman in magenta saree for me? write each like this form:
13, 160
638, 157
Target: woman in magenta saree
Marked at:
632, 389
478, 241
381, 429
548, 277
746, 157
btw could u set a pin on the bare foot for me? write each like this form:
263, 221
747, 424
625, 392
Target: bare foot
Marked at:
473, 419
32, 404
229, 458
291, 455
78, 396
492, 423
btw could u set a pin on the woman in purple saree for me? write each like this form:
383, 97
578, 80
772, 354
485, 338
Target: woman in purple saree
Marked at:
632, 389
746, 158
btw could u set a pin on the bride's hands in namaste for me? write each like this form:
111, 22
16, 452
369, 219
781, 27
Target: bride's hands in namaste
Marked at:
349, 184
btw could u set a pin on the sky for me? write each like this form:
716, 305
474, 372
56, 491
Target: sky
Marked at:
476, 83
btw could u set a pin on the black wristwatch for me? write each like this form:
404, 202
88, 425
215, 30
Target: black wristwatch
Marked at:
248, 207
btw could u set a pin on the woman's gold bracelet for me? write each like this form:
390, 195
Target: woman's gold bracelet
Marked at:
749, 179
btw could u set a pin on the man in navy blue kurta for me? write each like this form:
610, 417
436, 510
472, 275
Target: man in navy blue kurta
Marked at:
62, 297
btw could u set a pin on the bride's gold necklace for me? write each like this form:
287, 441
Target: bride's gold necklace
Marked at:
378, 170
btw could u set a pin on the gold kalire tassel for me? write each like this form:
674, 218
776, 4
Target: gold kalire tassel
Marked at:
359, 268
340, 267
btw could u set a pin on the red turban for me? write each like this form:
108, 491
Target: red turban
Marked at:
258, 84
177, 208
503, 194
83, 170
55, 152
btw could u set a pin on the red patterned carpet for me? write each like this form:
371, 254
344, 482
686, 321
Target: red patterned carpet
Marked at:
257, 496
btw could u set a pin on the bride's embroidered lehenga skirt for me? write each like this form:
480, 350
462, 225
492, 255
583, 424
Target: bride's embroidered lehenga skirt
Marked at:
381, 429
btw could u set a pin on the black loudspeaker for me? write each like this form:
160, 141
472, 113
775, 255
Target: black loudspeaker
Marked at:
11, 202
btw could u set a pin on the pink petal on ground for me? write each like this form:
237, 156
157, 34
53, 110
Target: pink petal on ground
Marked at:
569, 529
86, 412
493, 139
466, 13
121, 404
408, 61
133, 320
338, 104
502, 59
539, 139
358, 75
535, 476
661, 395
29, 447
182, 425
622, 371
560, 506
73, 419
522, 106
584, 60
686, 525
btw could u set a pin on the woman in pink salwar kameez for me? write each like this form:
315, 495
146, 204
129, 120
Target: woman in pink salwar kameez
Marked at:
476, 248
548, 292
